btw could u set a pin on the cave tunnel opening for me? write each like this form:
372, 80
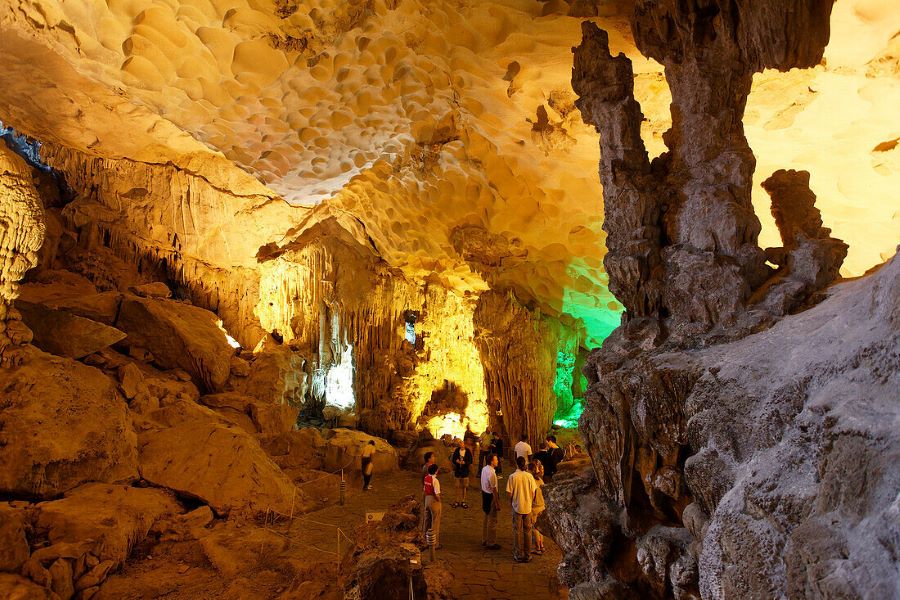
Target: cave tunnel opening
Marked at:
444, 413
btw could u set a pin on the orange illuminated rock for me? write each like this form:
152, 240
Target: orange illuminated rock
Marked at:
63, 423
179, 336
220, 465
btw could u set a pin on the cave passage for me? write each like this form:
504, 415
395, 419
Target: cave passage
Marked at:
281, 280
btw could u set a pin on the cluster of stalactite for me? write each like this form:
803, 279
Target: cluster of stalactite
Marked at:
513, 341
328, 287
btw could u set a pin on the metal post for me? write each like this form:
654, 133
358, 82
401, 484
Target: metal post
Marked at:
343, 487
429, 541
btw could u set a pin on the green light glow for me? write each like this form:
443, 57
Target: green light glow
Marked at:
590, 302
570, 418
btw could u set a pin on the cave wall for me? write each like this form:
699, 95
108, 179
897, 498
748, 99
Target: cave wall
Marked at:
324, 292
172, 223
498, 354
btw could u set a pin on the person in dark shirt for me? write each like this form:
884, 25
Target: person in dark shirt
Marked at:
543, 455
462, 461
557, 455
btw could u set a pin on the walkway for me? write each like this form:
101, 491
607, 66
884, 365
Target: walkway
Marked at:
479, 574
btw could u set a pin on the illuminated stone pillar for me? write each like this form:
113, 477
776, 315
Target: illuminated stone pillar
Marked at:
21, 236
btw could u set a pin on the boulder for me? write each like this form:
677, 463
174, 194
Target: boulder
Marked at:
64, 334
130, 380
93, 530
102, 307
62, 423
251, 414
276, 374
232, 406
178, 336
343, 449
157, 289
221, 465
300, 449
55, 285
14, 550
239, 367
16, 587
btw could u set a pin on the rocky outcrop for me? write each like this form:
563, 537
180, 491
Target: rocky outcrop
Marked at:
90, 533
179, 336
793, 477
343, 449
62, 423
21, 235
386, 559
705, 483
253, 415
64, 334
202, 456
14, 549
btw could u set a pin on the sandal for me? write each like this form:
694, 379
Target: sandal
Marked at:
454, 505
464, 505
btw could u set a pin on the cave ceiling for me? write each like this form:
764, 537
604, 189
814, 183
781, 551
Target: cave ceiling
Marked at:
440, 132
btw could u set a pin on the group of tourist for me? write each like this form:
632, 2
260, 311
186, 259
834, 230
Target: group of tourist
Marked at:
523, 487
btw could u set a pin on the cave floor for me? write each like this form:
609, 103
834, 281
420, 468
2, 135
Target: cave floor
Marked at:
478, 573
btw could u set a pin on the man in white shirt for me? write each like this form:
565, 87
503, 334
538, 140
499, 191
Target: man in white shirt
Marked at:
490, 503
523, 449
521, 488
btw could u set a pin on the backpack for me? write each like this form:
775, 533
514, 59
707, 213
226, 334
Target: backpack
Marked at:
429, 485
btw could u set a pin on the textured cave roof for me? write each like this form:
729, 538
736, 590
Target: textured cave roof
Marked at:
443, 130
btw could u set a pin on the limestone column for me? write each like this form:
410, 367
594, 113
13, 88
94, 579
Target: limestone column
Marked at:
21, 236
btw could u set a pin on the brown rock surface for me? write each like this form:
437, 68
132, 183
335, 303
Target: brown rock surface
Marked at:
179, 336
252, 414
92, 531
343, 449
14, 548
218, 464
16, 587
62, 423
64, 334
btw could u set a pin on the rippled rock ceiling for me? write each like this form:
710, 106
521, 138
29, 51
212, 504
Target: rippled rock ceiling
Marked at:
444, 131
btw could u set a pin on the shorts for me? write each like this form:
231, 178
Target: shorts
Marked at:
461, 473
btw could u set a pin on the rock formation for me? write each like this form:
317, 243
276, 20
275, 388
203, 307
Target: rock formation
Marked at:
716, 456
21, 235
